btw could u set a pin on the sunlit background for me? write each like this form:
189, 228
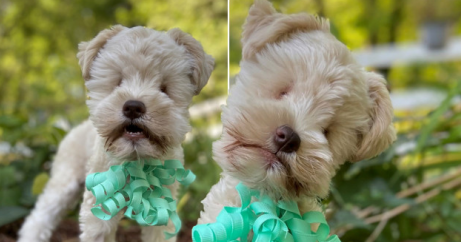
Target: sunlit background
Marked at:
42, 94
412, 191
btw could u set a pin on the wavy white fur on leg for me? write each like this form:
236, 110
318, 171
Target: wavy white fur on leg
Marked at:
301, 107
64, 187
140, 84
155, 233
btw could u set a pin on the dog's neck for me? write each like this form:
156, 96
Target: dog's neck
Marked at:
223, 194
101, 160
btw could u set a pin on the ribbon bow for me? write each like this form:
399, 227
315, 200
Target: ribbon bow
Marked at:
139, 186
270, 222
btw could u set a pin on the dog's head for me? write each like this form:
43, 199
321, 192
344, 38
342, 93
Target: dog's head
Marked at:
300, 108
140, 83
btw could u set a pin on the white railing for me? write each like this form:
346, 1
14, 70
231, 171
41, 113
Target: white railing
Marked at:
382, 56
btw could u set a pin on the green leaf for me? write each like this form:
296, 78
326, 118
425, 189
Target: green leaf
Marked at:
39, 183
7, 176
9, 121
11, 214
10, 196
443, 165
379, 160
344, 218
435, 117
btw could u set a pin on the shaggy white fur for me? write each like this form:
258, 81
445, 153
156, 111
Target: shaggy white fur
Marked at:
296, 74
161, 72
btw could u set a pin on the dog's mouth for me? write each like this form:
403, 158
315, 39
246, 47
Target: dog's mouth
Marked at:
269, 157
135, 132
274, 161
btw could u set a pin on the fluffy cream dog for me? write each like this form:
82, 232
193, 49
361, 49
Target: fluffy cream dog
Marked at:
140, 83
300, 108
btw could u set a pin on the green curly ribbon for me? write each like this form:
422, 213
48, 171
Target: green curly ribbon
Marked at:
145, 197
281, 222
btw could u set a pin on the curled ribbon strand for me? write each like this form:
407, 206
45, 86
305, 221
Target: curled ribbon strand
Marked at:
144, 195
270, 222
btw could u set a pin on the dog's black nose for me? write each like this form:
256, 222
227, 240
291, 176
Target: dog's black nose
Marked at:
286, 139
133, 109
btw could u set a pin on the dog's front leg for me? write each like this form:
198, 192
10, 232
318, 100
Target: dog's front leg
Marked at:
221, 194
60, 193
92, 228
64, 187
156, 233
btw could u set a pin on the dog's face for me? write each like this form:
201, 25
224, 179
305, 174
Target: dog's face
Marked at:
140, 83
300, 108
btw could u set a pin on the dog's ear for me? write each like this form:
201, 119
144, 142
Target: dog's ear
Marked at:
264, 25
201, 63
381, 132
87, 51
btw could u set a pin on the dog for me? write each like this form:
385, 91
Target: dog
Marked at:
140, 84
301, 107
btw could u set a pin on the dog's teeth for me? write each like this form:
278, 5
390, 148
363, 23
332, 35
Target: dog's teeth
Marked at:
129, 132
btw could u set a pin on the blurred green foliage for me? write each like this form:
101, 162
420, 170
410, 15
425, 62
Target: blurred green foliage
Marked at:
360, 23
429, 149
42, 93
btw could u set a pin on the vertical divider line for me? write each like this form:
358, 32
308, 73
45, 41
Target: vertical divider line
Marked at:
228, 46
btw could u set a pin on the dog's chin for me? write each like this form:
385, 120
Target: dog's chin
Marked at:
125, 149
263, 170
